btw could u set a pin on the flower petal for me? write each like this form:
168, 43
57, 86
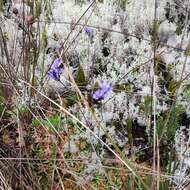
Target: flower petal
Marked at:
88, 30
56, 64
104, 89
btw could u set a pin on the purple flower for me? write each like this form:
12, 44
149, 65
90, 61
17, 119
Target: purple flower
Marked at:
55, 70
88, 30
104, 89
55, 74
56, 64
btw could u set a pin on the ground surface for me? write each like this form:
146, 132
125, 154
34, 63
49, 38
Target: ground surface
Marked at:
94, 94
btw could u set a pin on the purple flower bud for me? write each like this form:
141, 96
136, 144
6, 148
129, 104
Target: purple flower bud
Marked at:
55, 70
104, 89
88, 30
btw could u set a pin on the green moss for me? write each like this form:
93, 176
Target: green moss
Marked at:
180, 24
145, 106
153, 31
129, 130
44, 38
159, 66
2, 4
122, 88
37, 10
53, 120
67, 155
123, 4
80, 2
166, 79
80, 78
37, 151
70, 100
187, 50
84, 145
99, 67
186, 91
29, 3
105, 36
